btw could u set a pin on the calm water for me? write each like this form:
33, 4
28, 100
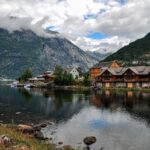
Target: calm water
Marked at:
119, 120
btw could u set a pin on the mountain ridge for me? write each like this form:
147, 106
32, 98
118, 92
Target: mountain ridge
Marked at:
139, 51
24, 49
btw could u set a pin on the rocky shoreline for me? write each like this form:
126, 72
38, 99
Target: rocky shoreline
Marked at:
29, 131
34, 132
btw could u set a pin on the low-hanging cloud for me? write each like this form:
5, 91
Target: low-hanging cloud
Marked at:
12, 24
121, 21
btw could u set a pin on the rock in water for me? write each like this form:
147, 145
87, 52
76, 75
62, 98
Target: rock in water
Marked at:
37, 128
89, 140
39, 135
43, 125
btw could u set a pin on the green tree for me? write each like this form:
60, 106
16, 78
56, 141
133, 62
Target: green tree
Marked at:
86, 80
80, 71
70, 79
62, 77
58, 72
26, 74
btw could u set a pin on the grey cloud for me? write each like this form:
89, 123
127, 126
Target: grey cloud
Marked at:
130, 21
13, 23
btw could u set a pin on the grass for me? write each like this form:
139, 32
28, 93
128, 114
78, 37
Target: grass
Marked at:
21, 140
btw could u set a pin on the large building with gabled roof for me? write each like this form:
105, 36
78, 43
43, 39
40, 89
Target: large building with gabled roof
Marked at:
130, 77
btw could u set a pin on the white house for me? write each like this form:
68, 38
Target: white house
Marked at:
74, 72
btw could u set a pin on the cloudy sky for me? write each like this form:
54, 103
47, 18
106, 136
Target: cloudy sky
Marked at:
103, 25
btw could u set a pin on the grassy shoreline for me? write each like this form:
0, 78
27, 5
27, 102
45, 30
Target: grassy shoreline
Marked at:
20, 141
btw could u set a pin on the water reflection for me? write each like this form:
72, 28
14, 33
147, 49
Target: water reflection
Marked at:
119, 120
116, 131
25, 93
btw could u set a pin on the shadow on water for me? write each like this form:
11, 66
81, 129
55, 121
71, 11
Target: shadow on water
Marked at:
26, 94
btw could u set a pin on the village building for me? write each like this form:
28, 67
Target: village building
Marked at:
74, 71
128, 77
98, 68
45, 77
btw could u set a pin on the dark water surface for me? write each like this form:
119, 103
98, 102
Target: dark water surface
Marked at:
119, 120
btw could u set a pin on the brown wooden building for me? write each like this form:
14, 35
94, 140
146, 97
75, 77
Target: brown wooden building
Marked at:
98, 68
45, 77
129, 77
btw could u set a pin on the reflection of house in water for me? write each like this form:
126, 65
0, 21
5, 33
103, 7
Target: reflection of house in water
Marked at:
128, 101
103, 99
107, 93
95, 100
130, 94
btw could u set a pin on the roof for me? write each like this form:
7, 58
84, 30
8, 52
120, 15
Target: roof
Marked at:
36, 79
104, 64
116, 71
139, 70
48, 72
40, 76
70, 69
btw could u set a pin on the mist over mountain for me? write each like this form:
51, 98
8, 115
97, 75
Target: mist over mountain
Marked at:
24, 49
98, 55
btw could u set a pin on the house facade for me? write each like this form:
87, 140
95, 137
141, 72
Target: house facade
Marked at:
73, 71
125, 77
45, 77
98, 68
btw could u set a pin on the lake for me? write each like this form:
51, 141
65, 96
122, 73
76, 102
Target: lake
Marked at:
119, 120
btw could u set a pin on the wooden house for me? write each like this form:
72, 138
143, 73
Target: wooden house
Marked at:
98, 68
45, 77
129, 77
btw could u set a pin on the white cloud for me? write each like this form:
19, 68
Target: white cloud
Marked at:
121, 23
107, 45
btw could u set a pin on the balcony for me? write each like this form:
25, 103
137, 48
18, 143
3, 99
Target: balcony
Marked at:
122, 80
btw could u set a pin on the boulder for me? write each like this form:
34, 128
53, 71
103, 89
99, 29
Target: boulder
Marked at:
89, 140
60, 143
39, 135
26, 129
37, 128
5, 140
43, 125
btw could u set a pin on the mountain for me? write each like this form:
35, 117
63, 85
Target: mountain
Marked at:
137, 51
25, 49
97, 55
